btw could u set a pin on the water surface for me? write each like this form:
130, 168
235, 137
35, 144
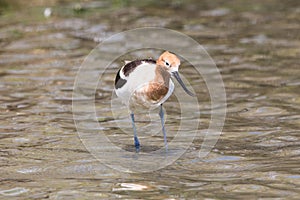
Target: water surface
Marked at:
255, 46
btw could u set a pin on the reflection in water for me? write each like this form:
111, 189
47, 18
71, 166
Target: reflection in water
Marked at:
256, 48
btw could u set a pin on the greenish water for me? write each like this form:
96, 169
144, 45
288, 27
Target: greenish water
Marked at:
256, 47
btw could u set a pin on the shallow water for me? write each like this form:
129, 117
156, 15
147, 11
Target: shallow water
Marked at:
256, 48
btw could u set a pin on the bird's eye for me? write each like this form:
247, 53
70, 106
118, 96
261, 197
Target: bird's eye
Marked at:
167, 64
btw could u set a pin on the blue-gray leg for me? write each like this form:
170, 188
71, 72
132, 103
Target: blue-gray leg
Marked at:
136, 140
162, 119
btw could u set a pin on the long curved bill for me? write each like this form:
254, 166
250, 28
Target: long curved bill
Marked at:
176, 75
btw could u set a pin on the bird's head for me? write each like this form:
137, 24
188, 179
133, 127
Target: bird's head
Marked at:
170, 62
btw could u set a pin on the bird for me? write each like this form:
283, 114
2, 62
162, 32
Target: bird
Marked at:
146, 84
